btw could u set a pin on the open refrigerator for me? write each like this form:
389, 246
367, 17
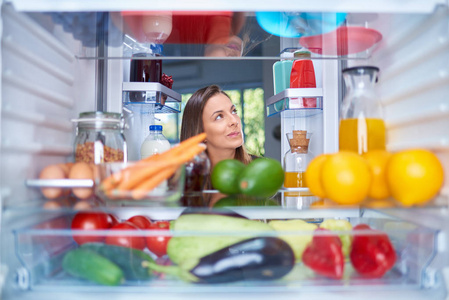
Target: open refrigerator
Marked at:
60, 58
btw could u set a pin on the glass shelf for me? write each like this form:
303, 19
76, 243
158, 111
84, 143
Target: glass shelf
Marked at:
150, 97
307, 101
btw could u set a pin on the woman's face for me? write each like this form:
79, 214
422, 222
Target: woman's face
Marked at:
222, 124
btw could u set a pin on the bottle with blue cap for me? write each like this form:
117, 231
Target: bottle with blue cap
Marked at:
154, 143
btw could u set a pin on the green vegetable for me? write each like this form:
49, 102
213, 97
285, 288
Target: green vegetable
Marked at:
340, 225
187, 250
297, 241
89, 265
131, 261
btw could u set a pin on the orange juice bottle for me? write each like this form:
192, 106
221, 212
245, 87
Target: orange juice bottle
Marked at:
362, 127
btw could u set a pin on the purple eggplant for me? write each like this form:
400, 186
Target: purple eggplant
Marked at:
260, 258
212, 211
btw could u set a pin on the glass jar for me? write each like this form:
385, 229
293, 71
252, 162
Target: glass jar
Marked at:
362, 126
99, 138
297, 158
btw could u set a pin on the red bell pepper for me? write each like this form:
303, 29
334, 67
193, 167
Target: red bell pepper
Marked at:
324, 255
372, 254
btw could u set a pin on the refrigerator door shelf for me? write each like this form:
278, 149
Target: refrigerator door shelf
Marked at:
150, 97
307, 100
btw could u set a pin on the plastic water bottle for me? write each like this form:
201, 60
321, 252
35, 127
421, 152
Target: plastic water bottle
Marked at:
154, 143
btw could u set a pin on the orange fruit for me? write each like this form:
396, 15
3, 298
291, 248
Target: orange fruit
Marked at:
346, 178
377, 161
313, 176
414, 176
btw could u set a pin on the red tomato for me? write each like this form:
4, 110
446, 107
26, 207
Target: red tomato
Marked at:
140, 221
130, 241
158, 244
90, 221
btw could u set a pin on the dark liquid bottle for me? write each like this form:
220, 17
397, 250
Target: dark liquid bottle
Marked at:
144, 70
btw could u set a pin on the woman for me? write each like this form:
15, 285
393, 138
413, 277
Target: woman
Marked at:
210, 110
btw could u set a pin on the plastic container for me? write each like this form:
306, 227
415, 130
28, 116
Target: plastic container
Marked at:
99, 138
362, 127
154, 143
297, 159
281, 72
41, 248
303, 75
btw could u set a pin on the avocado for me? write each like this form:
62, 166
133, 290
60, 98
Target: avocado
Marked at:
262, 177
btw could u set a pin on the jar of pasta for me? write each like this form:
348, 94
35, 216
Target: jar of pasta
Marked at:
99, 138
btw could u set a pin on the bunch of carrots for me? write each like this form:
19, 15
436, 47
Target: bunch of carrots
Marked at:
146, 174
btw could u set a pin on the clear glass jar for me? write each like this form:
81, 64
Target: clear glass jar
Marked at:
297, 159
99, 138
362, 126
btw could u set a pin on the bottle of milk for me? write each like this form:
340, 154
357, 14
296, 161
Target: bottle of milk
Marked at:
154, 143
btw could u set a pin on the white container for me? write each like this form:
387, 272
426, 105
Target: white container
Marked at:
154, 143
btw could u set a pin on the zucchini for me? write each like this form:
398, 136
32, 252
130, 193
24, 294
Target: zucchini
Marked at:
89, 265
133, 262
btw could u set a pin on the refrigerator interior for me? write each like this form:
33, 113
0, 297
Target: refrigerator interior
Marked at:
59, 60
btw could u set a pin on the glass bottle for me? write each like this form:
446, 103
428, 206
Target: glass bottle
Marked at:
154, 143
297, 159
99, 138
362, 127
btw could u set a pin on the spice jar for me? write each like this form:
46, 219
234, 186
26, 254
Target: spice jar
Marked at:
99, 138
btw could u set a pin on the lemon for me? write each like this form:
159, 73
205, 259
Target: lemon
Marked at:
313, 176
225, 176
414, 176
346, 178
377, 161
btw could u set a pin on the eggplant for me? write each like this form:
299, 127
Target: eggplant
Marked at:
260, 258
212, 211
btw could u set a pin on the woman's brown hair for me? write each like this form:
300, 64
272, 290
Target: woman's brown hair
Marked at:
192, 119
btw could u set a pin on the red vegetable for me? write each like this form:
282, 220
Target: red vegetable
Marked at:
91, 221
324, 255
372, 254
124, 240
140, 221
158, 244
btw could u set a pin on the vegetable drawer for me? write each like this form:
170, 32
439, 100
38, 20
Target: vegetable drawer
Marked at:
224, 250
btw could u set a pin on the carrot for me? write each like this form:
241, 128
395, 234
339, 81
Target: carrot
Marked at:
142, 190
137, 175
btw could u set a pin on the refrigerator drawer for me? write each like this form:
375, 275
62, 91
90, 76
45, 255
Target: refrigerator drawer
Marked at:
41, 250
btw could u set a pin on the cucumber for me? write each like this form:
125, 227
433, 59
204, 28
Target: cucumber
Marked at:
89, 265
133, 262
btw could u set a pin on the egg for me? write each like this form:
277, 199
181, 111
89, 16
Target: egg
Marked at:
82, 170
82, 205
52, 204
52, 172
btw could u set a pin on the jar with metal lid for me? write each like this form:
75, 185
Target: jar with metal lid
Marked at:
99, 138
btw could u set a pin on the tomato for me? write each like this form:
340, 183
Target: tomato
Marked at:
140, 221
158, 244
91, 221
130, 241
